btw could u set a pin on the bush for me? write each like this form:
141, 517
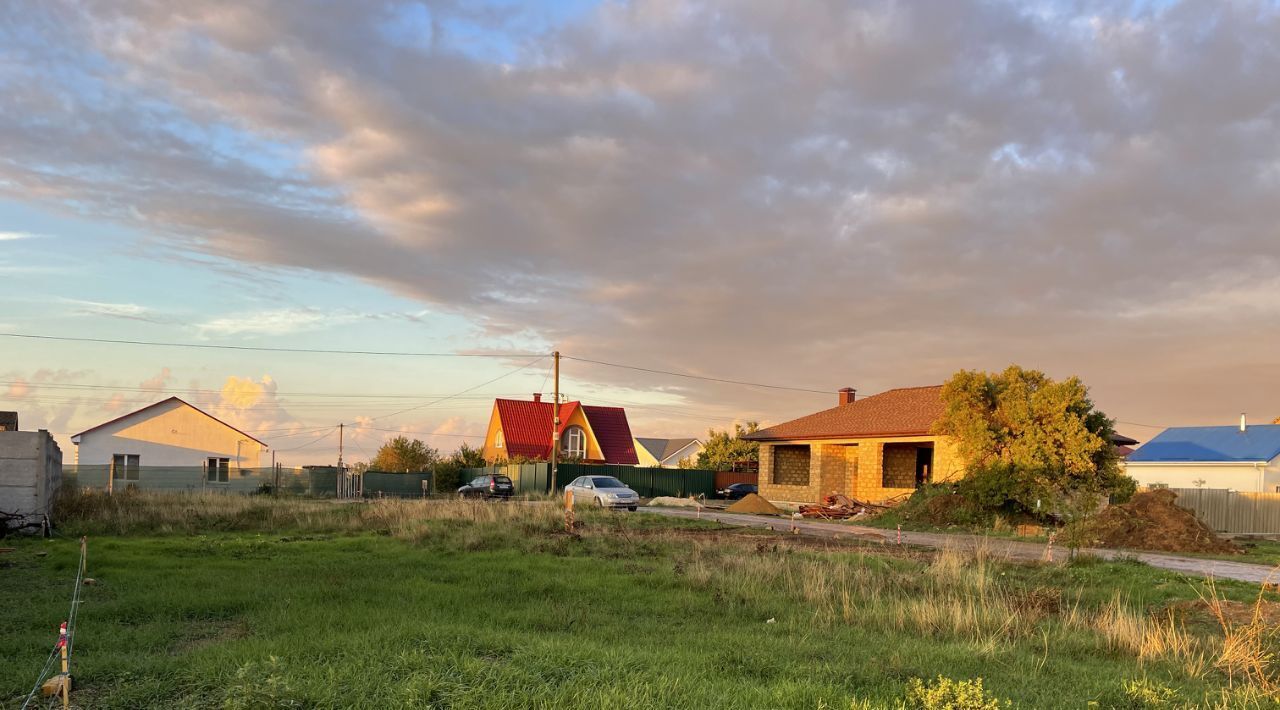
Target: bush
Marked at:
948, 694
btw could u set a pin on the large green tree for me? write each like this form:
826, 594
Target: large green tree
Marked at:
723, 449
1043, 432
404, 454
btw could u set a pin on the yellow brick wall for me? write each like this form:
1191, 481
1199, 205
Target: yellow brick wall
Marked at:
862, 468
899, 466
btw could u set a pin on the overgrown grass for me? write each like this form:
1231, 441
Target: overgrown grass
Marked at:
243, 602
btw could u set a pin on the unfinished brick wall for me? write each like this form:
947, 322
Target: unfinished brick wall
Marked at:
804, 493
835, 472
791, 465
899, 466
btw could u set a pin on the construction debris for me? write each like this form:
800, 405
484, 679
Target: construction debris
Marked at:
840, 507
753, 503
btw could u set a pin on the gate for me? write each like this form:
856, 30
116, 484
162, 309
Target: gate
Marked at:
350, 485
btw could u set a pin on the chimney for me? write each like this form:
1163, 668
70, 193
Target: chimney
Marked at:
1242, 425
537, 396
846, 395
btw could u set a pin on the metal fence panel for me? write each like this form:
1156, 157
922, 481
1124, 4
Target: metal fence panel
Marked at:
1233, 511
648, 482
397, 485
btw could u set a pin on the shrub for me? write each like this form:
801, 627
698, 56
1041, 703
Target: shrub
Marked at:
947, 694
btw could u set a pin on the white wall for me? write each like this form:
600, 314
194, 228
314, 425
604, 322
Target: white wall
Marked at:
172, 434
689, 451
1239, 477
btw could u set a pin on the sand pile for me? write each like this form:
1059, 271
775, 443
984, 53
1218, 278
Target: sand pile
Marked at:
752, 503
1151, 521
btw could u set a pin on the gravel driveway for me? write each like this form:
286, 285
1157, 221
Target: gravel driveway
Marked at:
1221, 569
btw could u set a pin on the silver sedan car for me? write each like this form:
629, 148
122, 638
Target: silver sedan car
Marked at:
604, 491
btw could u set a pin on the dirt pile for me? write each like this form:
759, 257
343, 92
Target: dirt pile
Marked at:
752, 503
1152, 521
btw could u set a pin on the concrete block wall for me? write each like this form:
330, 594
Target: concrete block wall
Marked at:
865, 469
800, 491
30, 473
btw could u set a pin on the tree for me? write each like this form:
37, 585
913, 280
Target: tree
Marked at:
448, 471
722, 449
1041, 436
404, 454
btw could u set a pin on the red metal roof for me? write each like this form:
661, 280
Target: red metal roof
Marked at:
909, 411
613, 433
526, 429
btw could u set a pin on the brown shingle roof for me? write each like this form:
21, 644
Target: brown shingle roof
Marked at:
908, 411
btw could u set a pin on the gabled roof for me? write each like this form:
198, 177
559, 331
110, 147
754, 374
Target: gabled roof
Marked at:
526, 429
1260, 442
907, 411
75, 438
663, 449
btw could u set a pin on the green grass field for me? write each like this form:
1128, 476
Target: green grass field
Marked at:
251, 603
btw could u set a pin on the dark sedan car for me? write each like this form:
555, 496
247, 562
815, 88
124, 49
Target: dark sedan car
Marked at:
487, 487
737, 490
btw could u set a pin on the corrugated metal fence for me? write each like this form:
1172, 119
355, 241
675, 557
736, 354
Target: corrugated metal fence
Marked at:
1232, 511
319, 481
649, 482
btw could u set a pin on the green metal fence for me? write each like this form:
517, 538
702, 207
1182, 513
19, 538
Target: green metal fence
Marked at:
398, 485
648, 482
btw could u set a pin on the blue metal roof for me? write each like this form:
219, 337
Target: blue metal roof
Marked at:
1212, 443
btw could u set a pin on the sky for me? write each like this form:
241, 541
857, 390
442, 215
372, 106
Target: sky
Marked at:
813, 195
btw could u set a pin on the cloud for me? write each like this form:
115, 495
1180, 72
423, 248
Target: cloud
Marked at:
18, 389
15, 236
124, 311
159, 383
284, 321
819, 194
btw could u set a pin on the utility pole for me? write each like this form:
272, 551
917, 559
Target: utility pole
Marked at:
555, 421
340, 447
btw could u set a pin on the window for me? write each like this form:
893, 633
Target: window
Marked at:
216, 469
790, 465
575, 443
499, 440
125, 467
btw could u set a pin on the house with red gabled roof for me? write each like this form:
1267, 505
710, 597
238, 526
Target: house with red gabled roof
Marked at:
873, 449
521, 429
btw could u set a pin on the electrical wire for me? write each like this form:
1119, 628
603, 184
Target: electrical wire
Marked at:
469, 389
324, 436
257, 348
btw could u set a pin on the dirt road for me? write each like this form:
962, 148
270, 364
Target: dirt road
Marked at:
1221, 569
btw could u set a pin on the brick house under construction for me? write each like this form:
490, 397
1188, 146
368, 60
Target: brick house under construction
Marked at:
872, 449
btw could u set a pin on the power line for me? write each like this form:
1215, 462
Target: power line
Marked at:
696, 377
322, 437
197, 390
469, 389
259, 348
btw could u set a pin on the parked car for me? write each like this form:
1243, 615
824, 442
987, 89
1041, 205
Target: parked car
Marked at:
604, 491
490, 486
735, 491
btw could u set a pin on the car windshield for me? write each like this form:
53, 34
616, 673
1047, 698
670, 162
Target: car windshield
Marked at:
607, 482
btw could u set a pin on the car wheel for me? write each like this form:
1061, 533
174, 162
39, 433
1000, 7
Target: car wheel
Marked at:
599, 503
